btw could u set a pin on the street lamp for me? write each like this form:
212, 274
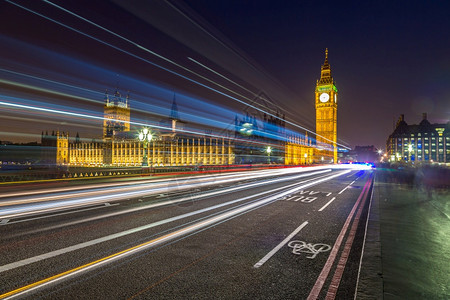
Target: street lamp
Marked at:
380, 154
268, 150
410, 149
306, 158
145, 136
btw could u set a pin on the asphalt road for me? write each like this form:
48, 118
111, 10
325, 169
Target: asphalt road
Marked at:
276, 235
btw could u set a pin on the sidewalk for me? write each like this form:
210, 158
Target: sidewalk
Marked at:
407, 252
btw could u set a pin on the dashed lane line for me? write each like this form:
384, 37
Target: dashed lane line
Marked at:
278, 247
328, 203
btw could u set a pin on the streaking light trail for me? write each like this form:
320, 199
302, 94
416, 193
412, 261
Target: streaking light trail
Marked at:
150, 62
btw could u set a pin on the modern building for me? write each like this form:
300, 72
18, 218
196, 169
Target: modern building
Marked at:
424, 142
326, 95
121, 147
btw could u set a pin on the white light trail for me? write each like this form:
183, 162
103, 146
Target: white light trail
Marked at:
152, 63
196, 227
15, 208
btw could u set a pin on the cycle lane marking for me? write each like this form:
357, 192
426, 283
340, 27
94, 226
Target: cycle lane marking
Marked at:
299, 247
280, 245
162, 239
60, 251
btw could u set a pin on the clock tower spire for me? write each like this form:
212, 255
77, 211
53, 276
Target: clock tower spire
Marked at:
326, 115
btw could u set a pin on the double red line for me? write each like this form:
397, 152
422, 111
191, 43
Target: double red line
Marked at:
335, 281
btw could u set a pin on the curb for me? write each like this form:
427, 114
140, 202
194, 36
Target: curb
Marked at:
370, 282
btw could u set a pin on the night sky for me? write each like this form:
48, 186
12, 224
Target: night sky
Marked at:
387, 58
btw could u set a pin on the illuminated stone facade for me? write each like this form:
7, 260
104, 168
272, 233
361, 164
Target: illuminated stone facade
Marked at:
326, 96
298, 150
120, 147
116, 114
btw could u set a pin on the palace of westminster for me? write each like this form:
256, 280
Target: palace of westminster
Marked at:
120, 146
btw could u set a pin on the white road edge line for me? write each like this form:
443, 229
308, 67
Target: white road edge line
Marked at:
54, 253
284, 242
328, 203
364, 243
167, 237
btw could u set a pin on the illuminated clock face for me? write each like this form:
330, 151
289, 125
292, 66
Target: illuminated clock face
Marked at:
324, 97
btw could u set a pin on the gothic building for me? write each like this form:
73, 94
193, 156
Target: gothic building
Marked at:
326, 95
120, 146
260, 137
300, 149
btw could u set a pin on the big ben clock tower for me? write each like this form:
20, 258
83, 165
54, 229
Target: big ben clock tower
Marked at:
326, 114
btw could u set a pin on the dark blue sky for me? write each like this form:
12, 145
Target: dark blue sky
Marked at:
387, 57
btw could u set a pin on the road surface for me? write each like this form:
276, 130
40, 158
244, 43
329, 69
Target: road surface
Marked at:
295, 233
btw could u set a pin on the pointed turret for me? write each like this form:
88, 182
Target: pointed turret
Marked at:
325, 73
174, 110
106, 97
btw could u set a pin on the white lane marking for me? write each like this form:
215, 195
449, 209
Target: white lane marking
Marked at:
364, 243
171, 236
171, 202
328, 194
131, 231
347, 186
284, 242
149, 185
48, 207
344, 189
4, 221
328, 203
134, 230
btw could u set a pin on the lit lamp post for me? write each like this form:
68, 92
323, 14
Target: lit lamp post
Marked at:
410, 149
145, 136
268, 150
306, 158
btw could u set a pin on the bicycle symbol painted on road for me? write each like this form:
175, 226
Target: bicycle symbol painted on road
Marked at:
303, 247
